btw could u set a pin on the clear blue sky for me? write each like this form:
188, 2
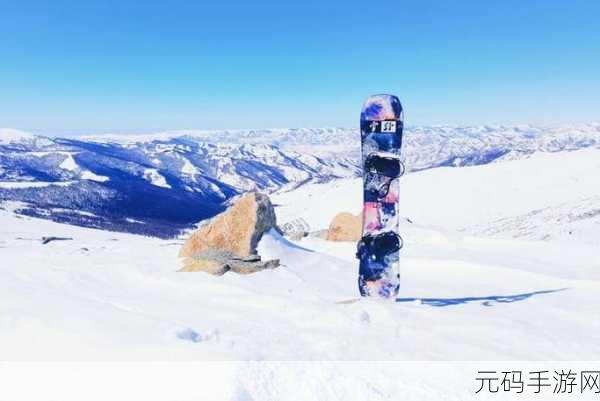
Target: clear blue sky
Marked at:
147, 65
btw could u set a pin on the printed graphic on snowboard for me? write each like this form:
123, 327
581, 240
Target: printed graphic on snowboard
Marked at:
381, 124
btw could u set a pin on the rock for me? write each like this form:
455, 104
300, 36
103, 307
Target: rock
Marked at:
252, 258
204, 265
237, 230
242, 267
228, 241
219, 262
345, 227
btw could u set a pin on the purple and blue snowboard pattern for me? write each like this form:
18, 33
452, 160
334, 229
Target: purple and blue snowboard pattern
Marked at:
381, 125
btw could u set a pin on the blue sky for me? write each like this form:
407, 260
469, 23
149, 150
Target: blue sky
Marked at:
69, 67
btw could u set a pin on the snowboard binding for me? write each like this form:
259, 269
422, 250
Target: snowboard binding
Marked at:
379, 172
384, 165
379, 246
376, 252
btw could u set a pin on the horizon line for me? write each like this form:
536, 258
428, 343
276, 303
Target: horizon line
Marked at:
126, 131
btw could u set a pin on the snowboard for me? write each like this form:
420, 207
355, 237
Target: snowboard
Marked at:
381, 126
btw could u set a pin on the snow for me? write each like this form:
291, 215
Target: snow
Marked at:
475, 285
576, 221
188, 168
315, 208
44, 154
80, 212
471, 195
34, 184
69, 163
155, 178
88, 175
8, 135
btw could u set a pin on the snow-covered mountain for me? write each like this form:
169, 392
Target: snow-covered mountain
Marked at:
162, 183
473, 145
424, 146
155, 187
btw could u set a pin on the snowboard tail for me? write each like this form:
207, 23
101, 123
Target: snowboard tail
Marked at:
378, 251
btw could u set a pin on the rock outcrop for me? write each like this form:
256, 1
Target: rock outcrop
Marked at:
345, 227
228, 241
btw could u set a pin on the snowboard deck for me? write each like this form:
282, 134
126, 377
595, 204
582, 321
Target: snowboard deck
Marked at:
381, 127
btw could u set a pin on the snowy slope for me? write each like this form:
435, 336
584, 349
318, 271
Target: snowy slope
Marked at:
473, 195
106, 295
576, 221
463, 297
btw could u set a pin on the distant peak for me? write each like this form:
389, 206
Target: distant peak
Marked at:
8, 135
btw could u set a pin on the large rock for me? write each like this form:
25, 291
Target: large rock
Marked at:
228, 241
345, 227
236, 230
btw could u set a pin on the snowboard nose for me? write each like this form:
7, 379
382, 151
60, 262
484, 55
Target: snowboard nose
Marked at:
381, 107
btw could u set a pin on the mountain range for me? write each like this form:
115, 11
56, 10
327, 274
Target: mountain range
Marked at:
163, 183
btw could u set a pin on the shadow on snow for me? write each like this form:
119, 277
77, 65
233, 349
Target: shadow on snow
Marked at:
485, 301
